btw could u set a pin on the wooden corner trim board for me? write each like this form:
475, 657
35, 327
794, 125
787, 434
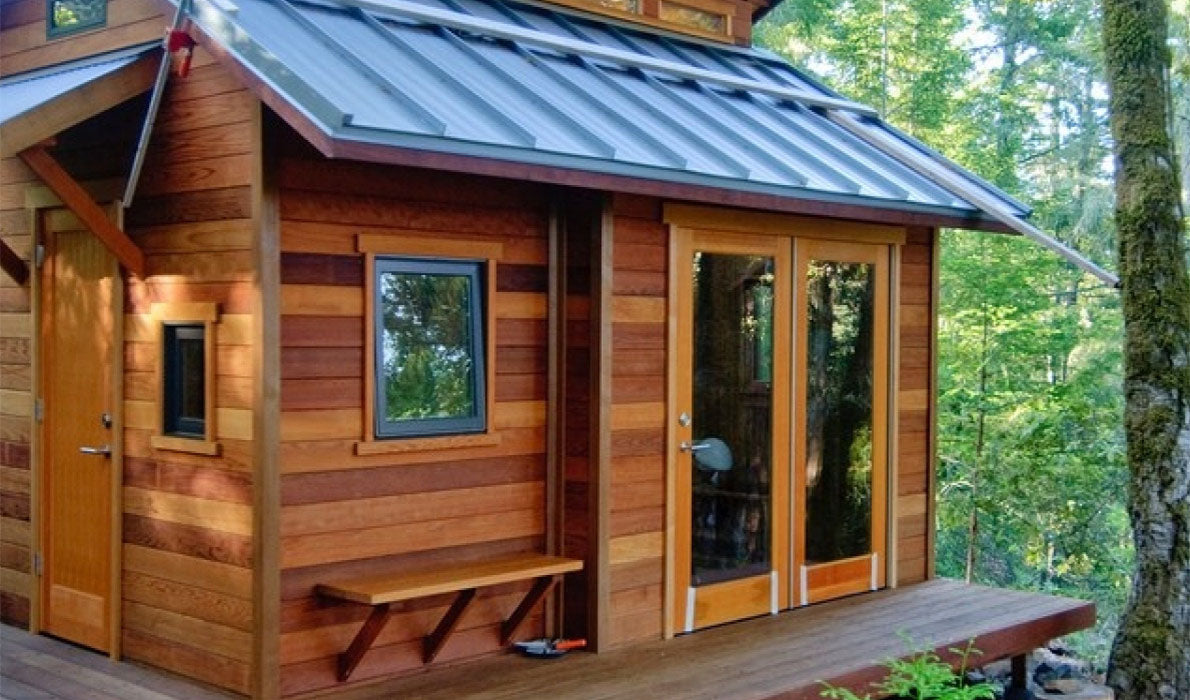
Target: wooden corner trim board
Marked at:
91, 214
12, 264
742, 221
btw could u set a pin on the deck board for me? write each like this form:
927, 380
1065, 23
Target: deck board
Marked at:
37, 667
770, 657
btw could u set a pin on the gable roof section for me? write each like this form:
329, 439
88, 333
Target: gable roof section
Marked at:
543, 94
38, 104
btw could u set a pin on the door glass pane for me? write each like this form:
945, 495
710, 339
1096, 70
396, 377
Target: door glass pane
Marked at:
840, 298
732, 415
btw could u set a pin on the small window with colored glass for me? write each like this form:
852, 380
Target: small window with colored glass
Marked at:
70, 16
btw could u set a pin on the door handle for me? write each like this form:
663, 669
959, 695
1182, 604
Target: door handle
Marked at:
105, 450
687, 446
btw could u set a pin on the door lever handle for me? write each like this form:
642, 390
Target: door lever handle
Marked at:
105, 450
686, 446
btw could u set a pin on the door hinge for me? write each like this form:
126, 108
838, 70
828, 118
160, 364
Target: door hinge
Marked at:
39, 254
38, 409
37, 564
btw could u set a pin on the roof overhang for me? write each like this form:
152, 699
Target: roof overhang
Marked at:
40, 104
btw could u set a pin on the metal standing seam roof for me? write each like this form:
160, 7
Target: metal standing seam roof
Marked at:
541, 85
24, 92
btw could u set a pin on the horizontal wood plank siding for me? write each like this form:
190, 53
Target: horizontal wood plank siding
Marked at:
16, 402
345, 514
637, 509
915, 383
24, 45
188, 527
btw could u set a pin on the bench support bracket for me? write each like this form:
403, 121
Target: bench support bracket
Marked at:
435, 640
367, 634
541, 586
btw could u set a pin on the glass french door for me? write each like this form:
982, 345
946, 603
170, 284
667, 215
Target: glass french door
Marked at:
731, 451
840, 426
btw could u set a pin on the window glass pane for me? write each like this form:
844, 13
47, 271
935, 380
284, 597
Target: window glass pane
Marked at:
429, 356
622, 5
65, 16
185, 380
841, 302
731, 499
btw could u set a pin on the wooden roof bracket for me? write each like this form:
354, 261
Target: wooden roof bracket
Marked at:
146, 131
84, 207
12, 263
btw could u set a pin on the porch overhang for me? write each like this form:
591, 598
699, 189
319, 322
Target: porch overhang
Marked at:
843, 642
40, 104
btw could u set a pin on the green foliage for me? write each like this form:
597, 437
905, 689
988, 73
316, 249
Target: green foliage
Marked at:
426, 346
1031, 470
923, 676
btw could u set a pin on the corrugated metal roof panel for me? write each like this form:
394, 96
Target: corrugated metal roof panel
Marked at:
25, 92
372, 72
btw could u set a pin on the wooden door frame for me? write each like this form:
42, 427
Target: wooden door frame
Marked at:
683, 241
39, 199
884, 430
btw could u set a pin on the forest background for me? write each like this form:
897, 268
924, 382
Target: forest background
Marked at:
1031, 469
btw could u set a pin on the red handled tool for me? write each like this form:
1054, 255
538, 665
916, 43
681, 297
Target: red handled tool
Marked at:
549, 648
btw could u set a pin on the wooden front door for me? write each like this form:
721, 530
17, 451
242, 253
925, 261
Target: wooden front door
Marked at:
81, 297
731, 447
840, 426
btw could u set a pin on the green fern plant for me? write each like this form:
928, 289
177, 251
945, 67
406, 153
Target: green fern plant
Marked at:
923, 676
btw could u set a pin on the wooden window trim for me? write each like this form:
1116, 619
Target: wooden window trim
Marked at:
207, 314
373, 245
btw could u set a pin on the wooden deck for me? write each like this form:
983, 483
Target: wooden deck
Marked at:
771, 657
41, 668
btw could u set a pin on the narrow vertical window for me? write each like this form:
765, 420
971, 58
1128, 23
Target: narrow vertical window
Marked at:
185, 380
70, 16
429, 347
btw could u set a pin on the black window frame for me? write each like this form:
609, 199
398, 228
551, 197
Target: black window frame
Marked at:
54, 32
174, 424
384, 429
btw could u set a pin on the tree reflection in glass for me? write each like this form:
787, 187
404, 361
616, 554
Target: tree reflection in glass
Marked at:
426, 346
840, 298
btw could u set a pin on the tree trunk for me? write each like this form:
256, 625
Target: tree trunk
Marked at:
1151, 654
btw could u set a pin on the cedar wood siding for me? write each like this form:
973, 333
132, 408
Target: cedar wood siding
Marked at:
344, 514
636, 550
23, 46
188, 519
187, 525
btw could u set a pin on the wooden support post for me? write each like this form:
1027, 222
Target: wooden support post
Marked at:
540, 587
435, 640
91, 214
367, 634
1018, 688
16, 268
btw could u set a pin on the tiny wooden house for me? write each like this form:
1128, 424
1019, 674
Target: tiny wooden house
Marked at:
410, 328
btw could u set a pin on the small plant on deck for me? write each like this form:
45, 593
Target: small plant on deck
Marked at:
923, 676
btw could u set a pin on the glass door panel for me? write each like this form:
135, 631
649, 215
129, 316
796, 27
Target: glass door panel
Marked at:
840, 452
732, 430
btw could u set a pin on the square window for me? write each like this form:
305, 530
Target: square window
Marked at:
429, 347
185, 380
70, 16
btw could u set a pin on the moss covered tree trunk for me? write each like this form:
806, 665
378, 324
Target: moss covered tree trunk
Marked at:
1151, 654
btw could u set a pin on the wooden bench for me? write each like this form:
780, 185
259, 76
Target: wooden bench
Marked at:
464, 579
